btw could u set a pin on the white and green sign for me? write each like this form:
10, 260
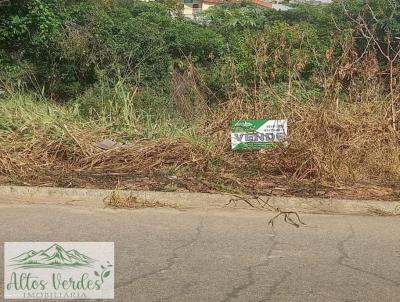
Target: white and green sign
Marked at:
257, 134
63, 270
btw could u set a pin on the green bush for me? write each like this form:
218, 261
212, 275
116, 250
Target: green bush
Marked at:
186, 38
63, 48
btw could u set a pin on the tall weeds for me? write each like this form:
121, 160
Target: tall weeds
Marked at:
344, 144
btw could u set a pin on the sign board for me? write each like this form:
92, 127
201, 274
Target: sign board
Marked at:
257, 134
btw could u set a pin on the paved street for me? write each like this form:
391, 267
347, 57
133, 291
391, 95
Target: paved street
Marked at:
226, 255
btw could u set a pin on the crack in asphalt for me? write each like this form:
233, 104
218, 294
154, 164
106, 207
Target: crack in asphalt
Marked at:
274, 287
340, 246
170, 262
345, 256
250, 274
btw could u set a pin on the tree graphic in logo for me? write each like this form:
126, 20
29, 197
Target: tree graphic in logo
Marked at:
53, 257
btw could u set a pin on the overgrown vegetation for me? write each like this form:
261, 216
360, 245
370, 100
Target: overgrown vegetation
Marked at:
73, 73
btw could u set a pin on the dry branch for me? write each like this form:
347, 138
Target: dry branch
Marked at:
258, 202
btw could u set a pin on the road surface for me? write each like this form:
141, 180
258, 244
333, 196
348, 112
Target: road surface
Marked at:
226, 255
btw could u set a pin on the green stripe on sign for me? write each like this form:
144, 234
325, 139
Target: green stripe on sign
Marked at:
246, 125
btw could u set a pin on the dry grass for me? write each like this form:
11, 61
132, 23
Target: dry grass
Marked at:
335, 145
119, 200
352, 143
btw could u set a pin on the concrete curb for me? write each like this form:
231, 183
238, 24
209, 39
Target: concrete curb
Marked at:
94, 198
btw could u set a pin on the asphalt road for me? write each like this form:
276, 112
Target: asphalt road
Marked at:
226, 255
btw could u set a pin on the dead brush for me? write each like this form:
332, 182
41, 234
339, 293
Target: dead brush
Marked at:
329, 142
36, 153
144, 157
37, 156
189, 92
118, 200
352, 143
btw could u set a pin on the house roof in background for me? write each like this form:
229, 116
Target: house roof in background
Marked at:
261, 3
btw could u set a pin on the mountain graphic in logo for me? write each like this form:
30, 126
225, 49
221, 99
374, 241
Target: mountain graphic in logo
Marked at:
53, 257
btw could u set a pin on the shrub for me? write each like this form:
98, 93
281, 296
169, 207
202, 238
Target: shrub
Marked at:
189, 39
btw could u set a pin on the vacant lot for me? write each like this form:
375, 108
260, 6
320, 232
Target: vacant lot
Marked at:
127, 95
